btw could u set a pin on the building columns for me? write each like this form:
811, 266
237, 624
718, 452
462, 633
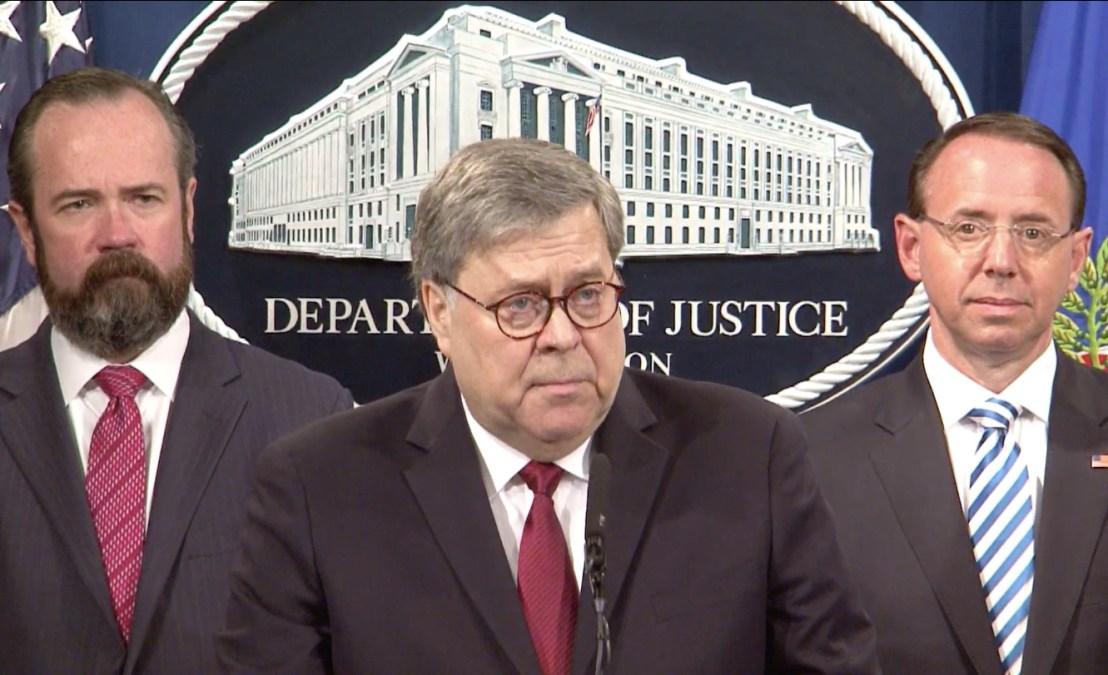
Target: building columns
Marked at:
423, 159
409, 145
569, 138
542, 112
514, 109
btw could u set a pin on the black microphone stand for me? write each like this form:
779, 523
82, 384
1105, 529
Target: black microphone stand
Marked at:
594, 569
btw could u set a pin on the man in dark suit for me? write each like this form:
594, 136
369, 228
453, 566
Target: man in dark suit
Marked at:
969, 490
442, 529
128, 430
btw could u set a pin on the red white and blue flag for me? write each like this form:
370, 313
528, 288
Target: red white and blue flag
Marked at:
38, 40
594, 113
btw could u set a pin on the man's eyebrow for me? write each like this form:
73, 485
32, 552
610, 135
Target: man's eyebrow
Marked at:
145, 187
69, 195
979, 214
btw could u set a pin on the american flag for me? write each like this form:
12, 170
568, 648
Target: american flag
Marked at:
594, 112
37, 41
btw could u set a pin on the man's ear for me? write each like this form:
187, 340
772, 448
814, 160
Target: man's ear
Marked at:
907, 245
436, 308
190, 193
23, 226
1079, 253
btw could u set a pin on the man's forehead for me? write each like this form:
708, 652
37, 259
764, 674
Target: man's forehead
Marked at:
990, 155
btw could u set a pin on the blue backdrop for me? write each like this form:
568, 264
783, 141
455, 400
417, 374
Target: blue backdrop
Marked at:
988, 44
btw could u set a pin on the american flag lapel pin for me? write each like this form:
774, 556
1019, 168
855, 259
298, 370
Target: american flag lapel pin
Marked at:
1099, 462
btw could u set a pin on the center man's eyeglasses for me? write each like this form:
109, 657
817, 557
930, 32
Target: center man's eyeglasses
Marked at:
525, 314
968, 235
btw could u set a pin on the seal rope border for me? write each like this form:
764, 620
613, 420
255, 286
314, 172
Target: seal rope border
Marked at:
886, 19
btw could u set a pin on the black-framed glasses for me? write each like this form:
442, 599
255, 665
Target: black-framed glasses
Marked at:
967, 235
525, 314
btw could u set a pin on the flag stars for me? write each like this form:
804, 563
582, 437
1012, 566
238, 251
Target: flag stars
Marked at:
7, 28
57, 30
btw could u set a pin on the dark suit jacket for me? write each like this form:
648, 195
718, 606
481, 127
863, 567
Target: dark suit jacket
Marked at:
55, 613
371, 547
881, 458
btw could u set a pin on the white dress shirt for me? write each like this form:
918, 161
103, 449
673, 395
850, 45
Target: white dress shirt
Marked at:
85, 401
957, 394
510, 498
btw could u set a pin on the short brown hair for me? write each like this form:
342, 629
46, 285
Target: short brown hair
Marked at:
1008, 126
501, 188
88, 85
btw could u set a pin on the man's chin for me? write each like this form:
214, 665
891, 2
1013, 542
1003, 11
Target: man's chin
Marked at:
119, 319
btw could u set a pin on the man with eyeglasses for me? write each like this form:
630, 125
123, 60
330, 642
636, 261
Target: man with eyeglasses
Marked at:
442, 530
969, 490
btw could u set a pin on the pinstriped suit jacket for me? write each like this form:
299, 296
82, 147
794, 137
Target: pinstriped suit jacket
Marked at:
55, 613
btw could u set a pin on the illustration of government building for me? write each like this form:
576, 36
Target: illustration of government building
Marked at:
702, 168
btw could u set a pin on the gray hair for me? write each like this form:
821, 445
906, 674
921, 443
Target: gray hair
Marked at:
503, 188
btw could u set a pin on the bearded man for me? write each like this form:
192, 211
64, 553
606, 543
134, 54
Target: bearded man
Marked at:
128, 430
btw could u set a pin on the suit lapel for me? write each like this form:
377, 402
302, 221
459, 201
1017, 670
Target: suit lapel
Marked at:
914, 468
638, 466
38, 434
206, 407
447, 484
1073, 510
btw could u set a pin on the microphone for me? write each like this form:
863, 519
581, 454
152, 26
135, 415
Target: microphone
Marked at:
600, 470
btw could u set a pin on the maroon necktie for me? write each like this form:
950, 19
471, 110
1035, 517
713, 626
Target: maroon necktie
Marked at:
116, 488
547, 585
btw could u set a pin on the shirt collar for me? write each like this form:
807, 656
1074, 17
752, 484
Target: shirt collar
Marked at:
160, 362
956, 394
502, 462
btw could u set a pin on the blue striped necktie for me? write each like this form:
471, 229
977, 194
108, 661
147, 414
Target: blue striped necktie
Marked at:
1001, 525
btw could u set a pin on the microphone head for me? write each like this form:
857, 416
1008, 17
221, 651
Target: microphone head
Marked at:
600, 470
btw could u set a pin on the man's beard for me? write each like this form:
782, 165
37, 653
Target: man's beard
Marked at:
123, 305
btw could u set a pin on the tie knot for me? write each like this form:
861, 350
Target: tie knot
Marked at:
117, 381
996, 413
541, 477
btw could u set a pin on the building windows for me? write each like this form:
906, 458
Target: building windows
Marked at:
630, 234
528, 120
650, 209
486, 100
629, 180
630, 208
650, 234
669, 210
486, 132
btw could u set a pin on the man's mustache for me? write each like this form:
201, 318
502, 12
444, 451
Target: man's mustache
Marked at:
120, 265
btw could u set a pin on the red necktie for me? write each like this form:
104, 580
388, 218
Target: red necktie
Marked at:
116, 488
547, 585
